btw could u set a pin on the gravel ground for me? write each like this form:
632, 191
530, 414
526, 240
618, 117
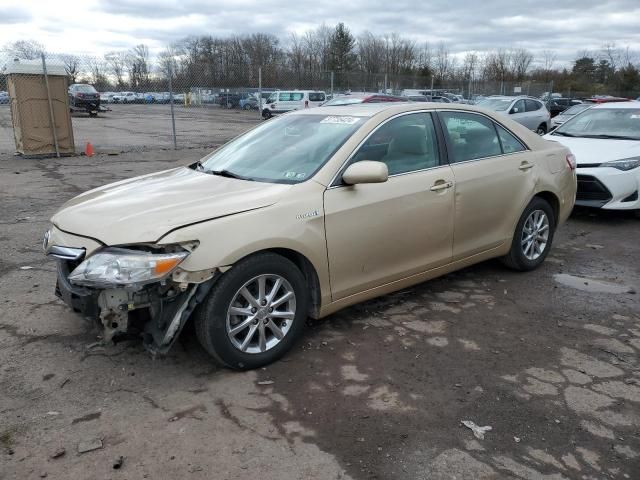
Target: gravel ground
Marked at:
379, 390
127, 128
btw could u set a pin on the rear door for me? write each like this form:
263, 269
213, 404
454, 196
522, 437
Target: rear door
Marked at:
537, 113
494, 179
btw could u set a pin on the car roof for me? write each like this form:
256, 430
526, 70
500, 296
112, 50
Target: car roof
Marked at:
631, 104
372, 109
514, 97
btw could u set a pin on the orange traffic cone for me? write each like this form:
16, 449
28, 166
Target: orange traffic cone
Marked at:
88, 150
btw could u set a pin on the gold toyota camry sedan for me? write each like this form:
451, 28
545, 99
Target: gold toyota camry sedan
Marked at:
304, 215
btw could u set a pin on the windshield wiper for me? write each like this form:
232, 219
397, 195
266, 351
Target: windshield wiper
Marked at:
613, 137
229, 174
564, 134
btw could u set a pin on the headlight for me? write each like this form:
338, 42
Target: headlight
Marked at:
624, 164
120, 267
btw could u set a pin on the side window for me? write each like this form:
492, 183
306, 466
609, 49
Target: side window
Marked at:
532, 105
406, 143
316, 97
510, 144
296, 97
284, 97
470, 136
518, 105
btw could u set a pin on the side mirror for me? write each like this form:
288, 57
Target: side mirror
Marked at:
514, 110
365, 171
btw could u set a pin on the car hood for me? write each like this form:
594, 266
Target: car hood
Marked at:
597, 150
143, 209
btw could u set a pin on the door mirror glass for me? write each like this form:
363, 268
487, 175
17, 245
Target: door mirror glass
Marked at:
514, 110
365, 171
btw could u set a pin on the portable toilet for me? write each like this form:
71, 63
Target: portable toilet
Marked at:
36, 105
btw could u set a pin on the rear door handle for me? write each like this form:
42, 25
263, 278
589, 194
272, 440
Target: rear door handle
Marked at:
524, 166
441, 185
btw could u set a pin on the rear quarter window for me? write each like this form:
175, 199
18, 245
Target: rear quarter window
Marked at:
532, 105
316, 97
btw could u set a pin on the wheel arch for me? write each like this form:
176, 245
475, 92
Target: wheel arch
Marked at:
552, 199
308, 270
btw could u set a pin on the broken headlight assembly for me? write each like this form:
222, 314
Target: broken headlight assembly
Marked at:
125, 268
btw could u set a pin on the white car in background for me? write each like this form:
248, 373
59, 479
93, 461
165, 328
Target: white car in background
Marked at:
527, 111
283, 101
568, 113
124, 97
605, 140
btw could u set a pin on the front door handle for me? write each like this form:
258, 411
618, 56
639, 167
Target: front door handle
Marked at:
524, 166
441, 185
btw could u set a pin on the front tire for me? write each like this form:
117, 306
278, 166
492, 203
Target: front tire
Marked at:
542, 129
533, 236
255, 313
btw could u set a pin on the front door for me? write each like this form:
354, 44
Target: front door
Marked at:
494, 178
380, 233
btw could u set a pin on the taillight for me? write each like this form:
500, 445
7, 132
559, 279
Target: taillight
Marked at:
571, 161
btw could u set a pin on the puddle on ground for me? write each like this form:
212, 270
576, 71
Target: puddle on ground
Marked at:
590, 285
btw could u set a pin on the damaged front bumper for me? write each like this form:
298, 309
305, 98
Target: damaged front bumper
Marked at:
158, 311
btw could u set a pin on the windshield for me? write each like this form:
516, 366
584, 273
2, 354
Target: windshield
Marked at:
85, 89
346, 100
495, 104
288, 149
620, 123
576, 109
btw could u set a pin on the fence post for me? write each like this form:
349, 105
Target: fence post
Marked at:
260, 92
550, 96
386, 83
331, 83
432, 85
173, 118
52, 119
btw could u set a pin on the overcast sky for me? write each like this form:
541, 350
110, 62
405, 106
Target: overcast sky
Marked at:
98, 26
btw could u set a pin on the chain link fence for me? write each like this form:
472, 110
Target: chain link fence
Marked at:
118, 103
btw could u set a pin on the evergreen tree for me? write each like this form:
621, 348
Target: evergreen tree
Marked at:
342, 57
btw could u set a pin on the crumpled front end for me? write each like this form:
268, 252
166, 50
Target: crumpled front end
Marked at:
156, 309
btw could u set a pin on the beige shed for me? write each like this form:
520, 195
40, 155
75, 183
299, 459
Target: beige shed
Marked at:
34, 106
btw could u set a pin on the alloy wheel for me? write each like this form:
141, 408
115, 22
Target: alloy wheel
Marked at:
535, 235
261, 313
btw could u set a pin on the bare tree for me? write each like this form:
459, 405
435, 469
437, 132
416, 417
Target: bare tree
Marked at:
521, 60
117, 62
97, 70
71, 65
137, 64
24, 49
443, 63
549, 58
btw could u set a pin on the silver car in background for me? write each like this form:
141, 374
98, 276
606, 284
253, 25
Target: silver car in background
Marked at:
527, 111
568, 113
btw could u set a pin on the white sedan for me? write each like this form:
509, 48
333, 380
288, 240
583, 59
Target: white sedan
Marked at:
606, 143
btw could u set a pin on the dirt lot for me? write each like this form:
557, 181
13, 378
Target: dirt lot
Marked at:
375, 391
146, 127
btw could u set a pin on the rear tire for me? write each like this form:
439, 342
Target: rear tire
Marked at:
227, 307
266, 114
533, 236
542, 129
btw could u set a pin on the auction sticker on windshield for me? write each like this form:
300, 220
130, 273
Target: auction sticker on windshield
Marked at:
341, 120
